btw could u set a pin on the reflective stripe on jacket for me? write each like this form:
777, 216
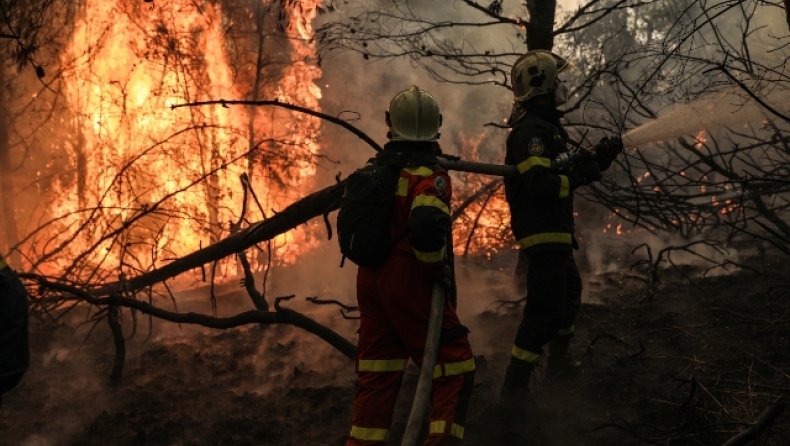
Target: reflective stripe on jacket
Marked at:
422, 202
541, 200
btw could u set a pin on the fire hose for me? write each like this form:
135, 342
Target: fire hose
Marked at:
564, 160
423, 394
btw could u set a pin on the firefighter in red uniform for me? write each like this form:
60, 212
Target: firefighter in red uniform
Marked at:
541, 205
395, 298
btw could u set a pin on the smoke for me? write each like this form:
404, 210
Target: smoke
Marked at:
50, 404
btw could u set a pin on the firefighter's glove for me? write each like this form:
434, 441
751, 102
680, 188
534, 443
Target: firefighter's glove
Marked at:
584, 173
606, 151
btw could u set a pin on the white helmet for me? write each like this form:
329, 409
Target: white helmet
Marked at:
535, 73
414, 115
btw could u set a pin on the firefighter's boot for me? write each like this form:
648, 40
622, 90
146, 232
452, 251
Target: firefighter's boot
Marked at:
560, 363
515, 400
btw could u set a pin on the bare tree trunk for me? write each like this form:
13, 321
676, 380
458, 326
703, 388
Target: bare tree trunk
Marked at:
213, 189
7, 195
82, 166
116, 376
256, 86
540, 32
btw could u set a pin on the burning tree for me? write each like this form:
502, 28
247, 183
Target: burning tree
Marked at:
29, 27
131, 184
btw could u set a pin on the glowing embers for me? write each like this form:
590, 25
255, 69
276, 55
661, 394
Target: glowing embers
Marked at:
483, 225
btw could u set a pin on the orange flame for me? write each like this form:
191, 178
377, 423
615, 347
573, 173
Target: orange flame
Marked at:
162, 183
484, 226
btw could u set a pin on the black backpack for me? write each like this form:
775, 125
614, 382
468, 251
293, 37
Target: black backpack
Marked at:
364, 219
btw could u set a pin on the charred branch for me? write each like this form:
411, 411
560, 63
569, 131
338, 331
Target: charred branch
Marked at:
279, 316
116, 376
761, 424
294, 215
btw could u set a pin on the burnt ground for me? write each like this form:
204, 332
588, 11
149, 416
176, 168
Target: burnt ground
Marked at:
691, 367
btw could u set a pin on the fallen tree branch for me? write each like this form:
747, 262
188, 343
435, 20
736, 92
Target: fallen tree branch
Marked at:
314, 205
280, 316
766, 419
292, 216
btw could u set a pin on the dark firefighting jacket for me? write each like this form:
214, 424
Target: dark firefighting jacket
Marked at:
421, 213
14, 345
541, 200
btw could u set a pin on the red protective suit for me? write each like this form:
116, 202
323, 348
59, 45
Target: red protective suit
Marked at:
394, 303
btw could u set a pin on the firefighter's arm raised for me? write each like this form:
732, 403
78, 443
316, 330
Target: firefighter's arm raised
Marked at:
429, 219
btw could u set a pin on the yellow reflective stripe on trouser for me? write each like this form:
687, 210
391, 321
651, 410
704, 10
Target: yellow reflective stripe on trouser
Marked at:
565, 186
369, 433
429, 200
531, 162
438, 427
524, 355
546, 237
566, 331
454, 368
419, 170
382, 365
431, 256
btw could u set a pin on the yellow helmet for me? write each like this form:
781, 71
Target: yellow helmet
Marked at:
535, 73
414, 115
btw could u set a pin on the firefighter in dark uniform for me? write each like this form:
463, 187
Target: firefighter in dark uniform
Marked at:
14, 347
541, 205
395, 298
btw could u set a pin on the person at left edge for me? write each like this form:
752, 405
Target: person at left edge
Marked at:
14, 344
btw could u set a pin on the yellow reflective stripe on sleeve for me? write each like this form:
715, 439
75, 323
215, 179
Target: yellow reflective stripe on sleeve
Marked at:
566, 331
429, 200
430, 257
3, 265
565, 186
524, 355
531, 162
419, 170
403, 187
382, 365
437, 427
547, 237
454, 368
369, 433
